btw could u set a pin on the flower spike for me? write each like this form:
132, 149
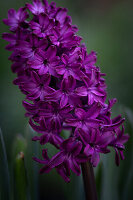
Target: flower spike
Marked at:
63, 87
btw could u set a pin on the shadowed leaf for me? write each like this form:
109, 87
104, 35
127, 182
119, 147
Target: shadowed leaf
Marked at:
4, 171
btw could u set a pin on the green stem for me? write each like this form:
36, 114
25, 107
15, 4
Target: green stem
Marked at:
89, 181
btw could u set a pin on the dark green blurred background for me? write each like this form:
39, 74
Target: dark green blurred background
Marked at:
107, 28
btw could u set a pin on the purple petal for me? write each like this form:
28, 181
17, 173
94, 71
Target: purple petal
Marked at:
121, 154
56, 140
72, 122
117, 158
94, 123
39, 161
34, 95
61, 15
9, 37
43, 20
94, 110
77, 147
38, 129
63, 173
36, 8
35, 77
113, 126
88, 150
90, 98
51, 52
55, 161
67, 145
60, 69
80, 113
64, 100
64, 59
95, 159
45, 155
105, 139
74, 167
43, 70
44, 139
81, 91
97, 92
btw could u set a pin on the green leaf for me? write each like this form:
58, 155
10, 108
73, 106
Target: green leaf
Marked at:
20, 179
4, 171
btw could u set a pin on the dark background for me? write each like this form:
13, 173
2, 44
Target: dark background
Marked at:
107, 28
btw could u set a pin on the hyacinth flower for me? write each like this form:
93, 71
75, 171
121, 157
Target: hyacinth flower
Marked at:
64, 90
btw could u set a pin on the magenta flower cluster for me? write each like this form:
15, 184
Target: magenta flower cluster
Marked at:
64, 88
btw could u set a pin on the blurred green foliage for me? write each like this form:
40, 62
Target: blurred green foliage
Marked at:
20, 178
107, 28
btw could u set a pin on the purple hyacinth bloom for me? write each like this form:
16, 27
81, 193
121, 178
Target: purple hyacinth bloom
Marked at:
92, 90
35, 87
118, 144
85, 120
69, 67
16, 19
64, 37
51, 113
48, 135
66, 93
45, 61
43, 27
69, 157
61, 16
88, 61
13, 38
29, 47
95, 143
37, 7
63, 87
